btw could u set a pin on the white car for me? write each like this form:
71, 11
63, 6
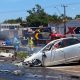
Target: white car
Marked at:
60, 51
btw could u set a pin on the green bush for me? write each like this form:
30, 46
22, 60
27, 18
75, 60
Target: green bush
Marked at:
22, 54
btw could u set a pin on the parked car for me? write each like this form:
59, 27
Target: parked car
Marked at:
60, 51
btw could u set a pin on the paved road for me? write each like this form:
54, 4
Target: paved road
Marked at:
70, 72
73, 70
67, 72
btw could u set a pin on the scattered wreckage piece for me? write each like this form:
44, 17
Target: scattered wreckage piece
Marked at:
7, 51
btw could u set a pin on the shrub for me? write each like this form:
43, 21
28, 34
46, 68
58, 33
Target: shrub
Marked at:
22, 54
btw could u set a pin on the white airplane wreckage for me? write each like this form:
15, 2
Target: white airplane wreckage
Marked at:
60, 51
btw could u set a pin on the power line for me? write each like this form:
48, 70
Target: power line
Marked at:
53, 6
60, 5
58, 10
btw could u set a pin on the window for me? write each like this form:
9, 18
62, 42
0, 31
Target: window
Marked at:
48, 47
60, 44
68, 42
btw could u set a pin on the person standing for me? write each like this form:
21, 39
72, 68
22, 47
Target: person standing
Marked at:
16, 43
30, 44
36, 36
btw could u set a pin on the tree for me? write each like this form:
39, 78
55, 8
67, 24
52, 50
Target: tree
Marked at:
37, 17
13, 21
57, 19
77, 16
64, 19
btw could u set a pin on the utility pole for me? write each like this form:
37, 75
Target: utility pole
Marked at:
64, 19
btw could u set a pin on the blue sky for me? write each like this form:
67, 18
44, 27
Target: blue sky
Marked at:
12, 9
